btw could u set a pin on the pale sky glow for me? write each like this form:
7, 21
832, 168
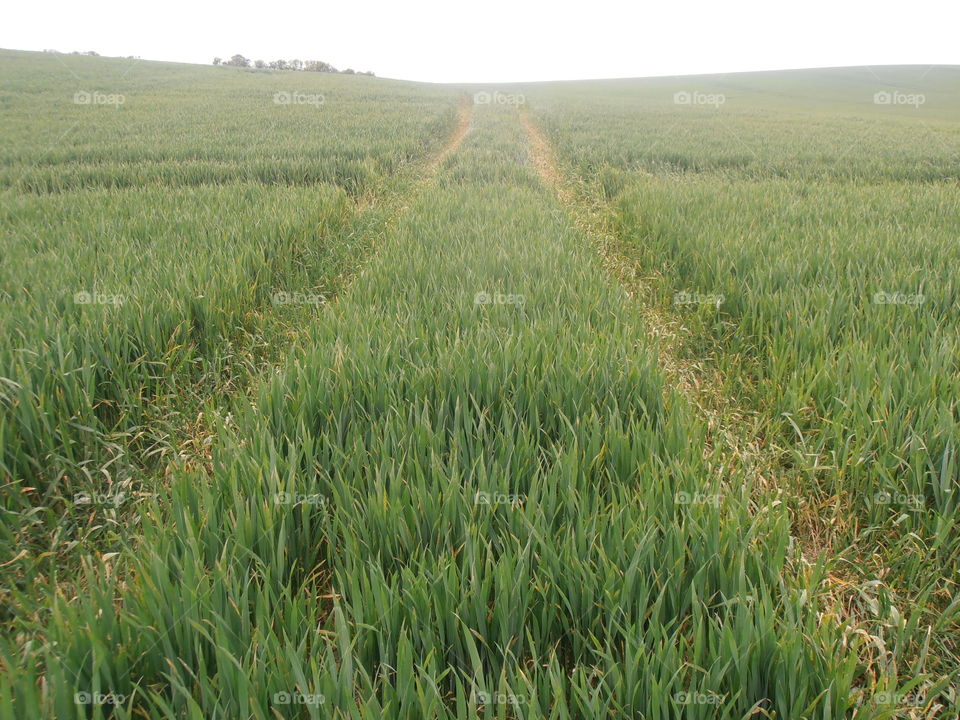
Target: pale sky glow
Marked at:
503, 40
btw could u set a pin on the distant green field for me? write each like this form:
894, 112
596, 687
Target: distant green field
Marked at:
334, 397
805, 125
76, 122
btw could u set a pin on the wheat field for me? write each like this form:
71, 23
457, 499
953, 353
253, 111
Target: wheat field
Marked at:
327, 396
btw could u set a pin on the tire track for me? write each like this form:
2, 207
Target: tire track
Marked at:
697, 382
464, 120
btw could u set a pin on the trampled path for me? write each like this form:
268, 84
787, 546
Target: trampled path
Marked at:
729, 428
464, 116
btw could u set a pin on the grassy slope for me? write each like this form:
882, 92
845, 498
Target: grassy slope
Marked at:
802, 124
192, 125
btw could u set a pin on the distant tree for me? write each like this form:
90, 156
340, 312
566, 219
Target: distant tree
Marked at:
348, 71
319, 66
279, 65
217, 61
296, 65
92, 53
259, 64
368, 72
238, 61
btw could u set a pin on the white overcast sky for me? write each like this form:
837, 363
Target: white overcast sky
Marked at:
502, 40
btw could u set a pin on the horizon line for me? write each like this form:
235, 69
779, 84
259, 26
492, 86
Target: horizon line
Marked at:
928, 66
